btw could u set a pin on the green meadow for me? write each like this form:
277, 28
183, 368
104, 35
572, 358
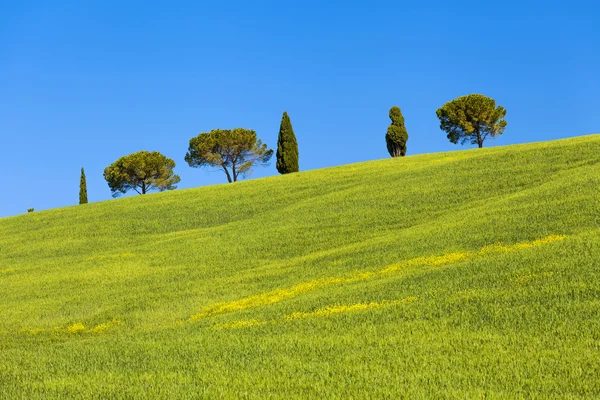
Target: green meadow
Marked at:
467, 274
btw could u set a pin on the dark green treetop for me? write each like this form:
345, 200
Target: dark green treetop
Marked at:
396, 136
235, 151
471, 118
287, 147
82, 188
142, 171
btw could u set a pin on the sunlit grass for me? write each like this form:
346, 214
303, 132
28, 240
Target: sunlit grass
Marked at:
471, 274
298, 289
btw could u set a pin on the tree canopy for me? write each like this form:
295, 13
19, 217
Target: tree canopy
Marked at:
235, 151
396, 136
287, 147
142, 171
471, 118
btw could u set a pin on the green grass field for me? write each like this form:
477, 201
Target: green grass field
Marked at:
469, 274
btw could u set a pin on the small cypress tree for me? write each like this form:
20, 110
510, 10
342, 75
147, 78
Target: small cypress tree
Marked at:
396, 136
287, 147
82, 188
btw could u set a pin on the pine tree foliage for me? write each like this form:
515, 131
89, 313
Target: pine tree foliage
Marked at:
287, 147
472, 118
142, 171
235, 151
396, 136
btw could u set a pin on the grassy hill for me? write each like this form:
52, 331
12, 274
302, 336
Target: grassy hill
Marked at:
465, 274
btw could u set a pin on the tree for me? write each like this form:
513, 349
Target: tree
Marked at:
287, 147
82, 188
396, 136
237, 150
142, 171
471, 118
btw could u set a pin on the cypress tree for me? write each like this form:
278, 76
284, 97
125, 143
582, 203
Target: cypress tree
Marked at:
82, 188
287, 147
396, 136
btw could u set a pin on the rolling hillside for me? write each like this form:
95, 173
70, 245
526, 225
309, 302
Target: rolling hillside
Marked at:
466, 274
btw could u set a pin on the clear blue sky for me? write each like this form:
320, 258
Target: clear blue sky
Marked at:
85, 82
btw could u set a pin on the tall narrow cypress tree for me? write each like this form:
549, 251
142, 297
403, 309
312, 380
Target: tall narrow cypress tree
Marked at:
396, 136
287, 147
82, 188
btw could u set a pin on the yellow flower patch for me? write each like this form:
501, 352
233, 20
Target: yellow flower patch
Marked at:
499, 248
527, 278
323, 312
332, 310
241, 324
76, 328
276, 296
265, 298
103, 327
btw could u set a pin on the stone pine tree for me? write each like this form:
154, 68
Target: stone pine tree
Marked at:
235, 151
396, 136
142, 171
287, 147
472, 118
82, 188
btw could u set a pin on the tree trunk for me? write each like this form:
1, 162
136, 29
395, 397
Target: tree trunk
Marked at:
234, 171
227, 173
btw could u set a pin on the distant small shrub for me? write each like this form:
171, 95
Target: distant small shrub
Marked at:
30, 210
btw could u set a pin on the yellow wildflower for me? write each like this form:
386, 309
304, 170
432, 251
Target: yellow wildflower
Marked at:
331, 310
76, 328
103, 327
241, 324
527, 278
276, 296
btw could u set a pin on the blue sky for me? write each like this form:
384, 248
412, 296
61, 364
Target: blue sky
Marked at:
85, 82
